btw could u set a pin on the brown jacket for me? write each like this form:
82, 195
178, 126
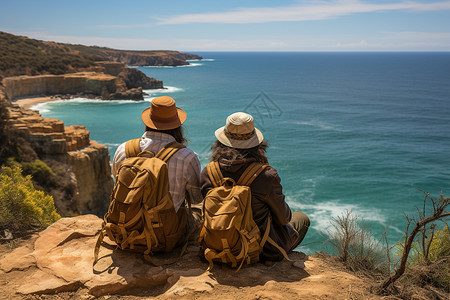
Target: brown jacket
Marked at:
267, 198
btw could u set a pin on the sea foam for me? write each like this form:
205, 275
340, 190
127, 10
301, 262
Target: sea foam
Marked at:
323, 212
183, 66
151, 94
111, 144
204, 59
46, 106
165, 90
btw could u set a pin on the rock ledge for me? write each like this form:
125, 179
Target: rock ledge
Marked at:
60, 260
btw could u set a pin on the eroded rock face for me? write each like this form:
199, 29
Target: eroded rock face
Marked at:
61, 259
91, 166
143, 58
47, 135
87, 163
73, 83
110, 81
134, 78
129, 94
110, 67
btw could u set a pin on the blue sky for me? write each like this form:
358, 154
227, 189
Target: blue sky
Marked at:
246, 25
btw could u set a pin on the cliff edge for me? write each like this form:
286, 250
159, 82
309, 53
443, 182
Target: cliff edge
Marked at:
85, 181
30, 67
108, 80
20, 55
57, 264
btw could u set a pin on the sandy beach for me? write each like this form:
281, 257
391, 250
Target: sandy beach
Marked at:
29, 102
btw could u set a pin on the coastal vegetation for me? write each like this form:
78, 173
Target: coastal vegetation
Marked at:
418, 266
353, 243
22, 206
20, 55
24, 56
47, 175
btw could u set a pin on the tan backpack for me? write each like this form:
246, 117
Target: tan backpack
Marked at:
229, 234
141, 215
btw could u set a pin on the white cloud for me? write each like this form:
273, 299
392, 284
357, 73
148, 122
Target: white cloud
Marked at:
318, 10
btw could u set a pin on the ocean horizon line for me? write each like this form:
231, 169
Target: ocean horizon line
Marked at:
315, 51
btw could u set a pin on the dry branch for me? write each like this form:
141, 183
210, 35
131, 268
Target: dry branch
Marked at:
439, 212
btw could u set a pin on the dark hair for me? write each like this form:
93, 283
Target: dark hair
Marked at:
219, 151
177, 133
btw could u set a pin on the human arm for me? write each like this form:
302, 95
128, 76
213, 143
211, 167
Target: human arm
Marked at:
280, 211
193, 180
119, 156
205, 182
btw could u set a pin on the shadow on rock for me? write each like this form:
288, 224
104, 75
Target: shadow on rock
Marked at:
260, 273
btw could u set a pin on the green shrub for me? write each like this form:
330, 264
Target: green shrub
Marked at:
440, 251
21, 205
434, 269
440, 245
40, 173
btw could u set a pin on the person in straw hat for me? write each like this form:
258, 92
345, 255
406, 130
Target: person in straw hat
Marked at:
163, 125
238, 145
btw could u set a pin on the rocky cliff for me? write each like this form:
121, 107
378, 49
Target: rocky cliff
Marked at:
86, 163
24, 56
109, 80
31, 67
150, 58
134, 78
73, 83
57, 264
91, 166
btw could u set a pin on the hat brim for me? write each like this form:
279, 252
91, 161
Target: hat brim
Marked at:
158, 125
254, 141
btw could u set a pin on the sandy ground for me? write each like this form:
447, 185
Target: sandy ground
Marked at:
29, 102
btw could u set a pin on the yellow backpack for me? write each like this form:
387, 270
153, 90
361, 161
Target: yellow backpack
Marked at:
141, 215
229, 234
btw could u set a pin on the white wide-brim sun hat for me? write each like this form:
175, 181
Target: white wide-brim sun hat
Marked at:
239, 132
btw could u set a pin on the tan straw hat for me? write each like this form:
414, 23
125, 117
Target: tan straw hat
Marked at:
163, 114
239, 132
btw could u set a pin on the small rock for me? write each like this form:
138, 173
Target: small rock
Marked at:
299, 264
19, 259
8, 235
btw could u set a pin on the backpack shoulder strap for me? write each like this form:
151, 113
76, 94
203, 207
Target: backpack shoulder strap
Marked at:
168, 150
251, 173
132, 148
214, 173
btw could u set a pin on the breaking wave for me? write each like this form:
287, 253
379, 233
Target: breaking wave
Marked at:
45, 107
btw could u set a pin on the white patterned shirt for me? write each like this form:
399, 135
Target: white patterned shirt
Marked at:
184, 167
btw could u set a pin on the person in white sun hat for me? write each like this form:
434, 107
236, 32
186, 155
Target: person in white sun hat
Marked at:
238, 145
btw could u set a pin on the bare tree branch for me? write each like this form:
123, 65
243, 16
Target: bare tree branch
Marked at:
438, 213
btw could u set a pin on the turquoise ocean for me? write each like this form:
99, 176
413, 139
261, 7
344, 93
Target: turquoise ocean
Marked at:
347, 131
